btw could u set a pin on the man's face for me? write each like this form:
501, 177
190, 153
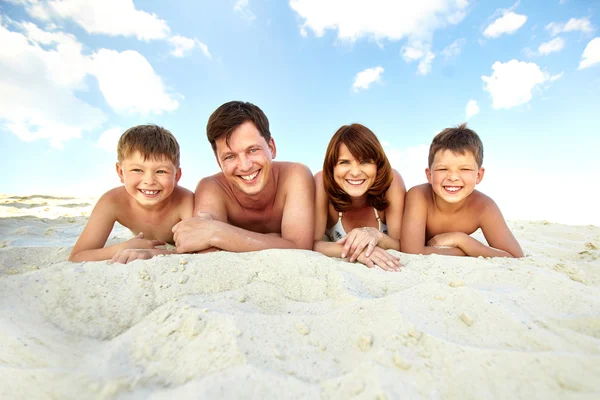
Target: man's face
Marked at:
247, 159
453, 176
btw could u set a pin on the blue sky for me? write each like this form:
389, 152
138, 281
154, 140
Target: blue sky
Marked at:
74, 74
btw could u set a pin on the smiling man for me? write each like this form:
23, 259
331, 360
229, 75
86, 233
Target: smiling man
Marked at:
254, 203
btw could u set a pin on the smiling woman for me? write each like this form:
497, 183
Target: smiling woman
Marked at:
358, 184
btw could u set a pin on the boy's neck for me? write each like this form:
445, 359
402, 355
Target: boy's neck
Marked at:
445, 207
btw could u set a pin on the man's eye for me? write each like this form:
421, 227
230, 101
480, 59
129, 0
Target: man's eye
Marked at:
253, 150
228, 158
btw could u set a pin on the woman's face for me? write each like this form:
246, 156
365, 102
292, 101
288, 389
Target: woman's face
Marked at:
354, 176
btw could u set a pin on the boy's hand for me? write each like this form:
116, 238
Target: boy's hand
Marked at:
357, 240
450, 239
127, 255
139, 242
381, 258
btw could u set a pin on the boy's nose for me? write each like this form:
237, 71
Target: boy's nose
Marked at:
149, 178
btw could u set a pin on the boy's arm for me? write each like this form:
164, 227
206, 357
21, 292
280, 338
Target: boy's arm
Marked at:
414, 225
211, 229
90, 245
501, 240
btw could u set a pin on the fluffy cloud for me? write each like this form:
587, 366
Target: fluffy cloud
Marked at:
554, 45
38, 86
574, 24
129, 83
472, 109
512, 83
109, 139
410, 162
182, 45
365, 78
453, 49
591, 54
384, 20
508, 23
241, 7
41, 73
110, 17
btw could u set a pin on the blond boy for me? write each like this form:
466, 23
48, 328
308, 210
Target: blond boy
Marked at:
440, 216
149, 203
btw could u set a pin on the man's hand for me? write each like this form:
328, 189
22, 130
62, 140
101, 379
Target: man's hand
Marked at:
380, 258
357, 240
194, 234
127, 255
450, 239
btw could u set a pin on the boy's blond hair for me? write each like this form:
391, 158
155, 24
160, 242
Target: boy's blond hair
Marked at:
459, 140
152, 141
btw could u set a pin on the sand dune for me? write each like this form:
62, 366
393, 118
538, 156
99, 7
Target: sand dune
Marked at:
293, 324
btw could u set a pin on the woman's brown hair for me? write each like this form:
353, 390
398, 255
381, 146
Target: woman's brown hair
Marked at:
364, 145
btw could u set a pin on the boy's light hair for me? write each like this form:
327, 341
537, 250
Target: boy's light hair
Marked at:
459, 140
152, 141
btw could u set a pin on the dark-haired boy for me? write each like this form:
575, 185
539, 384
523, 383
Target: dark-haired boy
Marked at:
149, 203
254, 203
440, 216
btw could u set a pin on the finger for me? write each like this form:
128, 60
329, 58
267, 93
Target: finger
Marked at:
357, 250
342, 240
370, 248
175, 227
140, 235
156, 242
348, 245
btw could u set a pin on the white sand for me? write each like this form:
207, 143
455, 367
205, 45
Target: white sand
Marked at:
293, 324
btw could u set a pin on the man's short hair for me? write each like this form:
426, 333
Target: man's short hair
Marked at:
225, 119
459, 140
152, 141
363, 145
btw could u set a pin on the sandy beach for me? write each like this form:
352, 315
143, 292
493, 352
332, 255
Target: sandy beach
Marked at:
290, 323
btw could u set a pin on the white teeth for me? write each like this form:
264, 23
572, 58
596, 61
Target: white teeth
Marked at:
355, 182
149, 192
452, 188
249, 177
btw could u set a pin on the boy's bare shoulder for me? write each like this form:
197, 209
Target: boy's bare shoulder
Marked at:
115, 196
419, 193
480, 201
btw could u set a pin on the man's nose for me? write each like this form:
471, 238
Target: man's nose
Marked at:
245, 163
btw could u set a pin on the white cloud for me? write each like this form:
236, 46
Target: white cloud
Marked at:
511, 83
419, 52
182, 45
383, 20
38, 86
554, 45
509, 23
365, 78
241, 7
110, 17
591, 54
574, 24
453, 49
109, 139
129, 83
472, 109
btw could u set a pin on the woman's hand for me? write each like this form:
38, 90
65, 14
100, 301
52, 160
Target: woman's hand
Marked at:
357, 240
380, 258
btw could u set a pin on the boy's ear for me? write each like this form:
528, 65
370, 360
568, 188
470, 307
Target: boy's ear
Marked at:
428, 174
178, 175
272, 147
480, 173
120, 172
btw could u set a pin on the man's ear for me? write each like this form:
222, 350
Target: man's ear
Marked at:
178, 175
480, 175
120, 172
428, 174
272, 147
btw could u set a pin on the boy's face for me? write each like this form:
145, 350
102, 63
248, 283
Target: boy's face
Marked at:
453, 176
247, 160
354, 176
149, 182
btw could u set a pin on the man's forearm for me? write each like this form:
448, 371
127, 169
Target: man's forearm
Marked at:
232, 238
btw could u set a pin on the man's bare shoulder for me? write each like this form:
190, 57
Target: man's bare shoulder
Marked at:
287, 168
213, 183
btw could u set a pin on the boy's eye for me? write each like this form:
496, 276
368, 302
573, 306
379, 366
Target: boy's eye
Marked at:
161, 171
466, 169
136, 170
442, 169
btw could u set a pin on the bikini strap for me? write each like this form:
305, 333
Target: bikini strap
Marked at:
378, 219
339, 216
